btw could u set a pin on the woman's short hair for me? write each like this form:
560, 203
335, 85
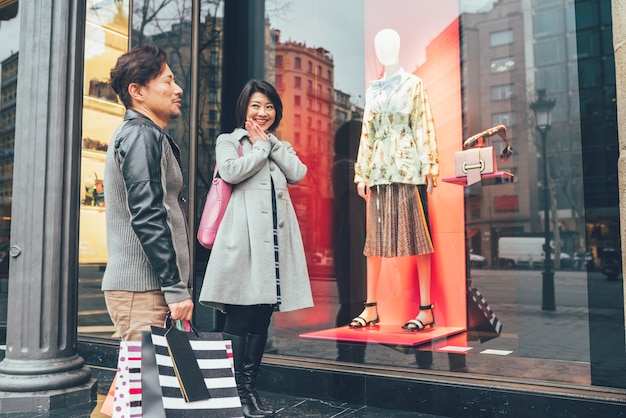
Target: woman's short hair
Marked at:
139, 65
258, 86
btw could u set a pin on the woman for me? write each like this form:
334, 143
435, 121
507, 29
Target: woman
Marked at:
257, 264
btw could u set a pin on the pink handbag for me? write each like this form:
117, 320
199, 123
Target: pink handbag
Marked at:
214, 207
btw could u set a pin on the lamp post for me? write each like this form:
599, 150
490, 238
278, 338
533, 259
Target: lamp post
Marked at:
542, 108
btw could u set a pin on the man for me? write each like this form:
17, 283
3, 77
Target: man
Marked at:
149, 265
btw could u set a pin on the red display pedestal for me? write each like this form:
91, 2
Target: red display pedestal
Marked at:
485, 178
384, 334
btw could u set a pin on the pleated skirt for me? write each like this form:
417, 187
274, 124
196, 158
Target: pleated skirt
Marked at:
397, 221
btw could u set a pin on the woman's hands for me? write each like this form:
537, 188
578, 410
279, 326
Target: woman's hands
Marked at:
255, 133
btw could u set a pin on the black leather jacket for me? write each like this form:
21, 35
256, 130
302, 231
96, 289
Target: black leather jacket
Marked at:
143, 198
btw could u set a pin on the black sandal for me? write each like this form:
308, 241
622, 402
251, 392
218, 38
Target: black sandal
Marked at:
359, 322
416, 325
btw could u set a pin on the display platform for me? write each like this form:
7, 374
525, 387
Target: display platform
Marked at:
384, 334
485, 178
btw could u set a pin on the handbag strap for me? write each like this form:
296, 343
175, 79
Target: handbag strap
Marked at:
216, 173
480, 140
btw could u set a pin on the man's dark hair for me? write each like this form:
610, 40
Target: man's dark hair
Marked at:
258, 86
139, 65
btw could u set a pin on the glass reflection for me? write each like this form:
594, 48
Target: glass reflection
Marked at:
106, 38
507, 50
10, 35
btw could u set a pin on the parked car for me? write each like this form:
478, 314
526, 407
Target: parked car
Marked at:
477, 260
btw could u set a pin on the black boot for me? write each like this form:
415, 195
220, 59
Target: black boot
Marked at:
252, 363
239, 344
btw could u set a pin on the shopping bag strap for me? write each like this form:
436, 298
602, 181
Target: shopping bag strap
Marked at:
178, 324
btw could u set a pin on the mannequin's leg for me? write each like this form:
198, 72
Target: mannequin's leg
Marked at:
425, 319
370, 312
423, 270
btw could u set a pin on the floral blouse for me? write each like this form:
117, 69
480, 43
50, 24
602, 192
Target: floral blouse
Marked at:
398, 138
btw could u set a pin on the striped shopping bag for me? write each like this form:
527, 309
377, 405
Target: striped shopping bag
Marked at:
161, 389
127, 391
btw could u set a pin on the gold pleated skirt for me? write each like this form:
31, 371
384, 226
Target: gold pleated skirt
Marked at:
397, 221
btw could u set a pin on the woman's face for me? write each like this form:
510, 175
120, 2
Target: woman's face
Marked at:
261, 110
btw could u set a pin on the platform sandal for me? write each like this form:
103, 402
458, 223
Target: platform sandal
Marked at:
417, 325
359, 322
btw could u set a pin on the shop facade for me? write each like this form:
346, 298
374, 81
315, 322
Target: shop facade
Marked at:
557, 347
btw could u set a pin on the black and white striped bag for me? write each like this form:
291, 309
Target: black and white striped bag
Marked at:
161, 393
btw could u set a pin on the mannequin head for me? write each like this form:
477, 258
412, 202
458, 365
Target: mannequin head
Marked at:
387, 44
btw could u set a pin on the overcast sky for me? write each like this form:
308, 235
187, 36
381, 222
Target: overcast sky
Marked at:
9, 37
347, 28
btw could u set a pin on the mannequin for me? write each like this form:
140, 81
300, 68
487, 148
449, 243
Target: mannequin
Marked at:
396, 112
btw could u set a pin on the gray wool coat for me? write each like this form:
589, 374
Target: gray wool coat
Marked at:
241, 268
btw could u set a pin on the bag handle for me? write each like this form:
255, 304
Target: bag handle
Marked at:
216, 173
480, 140
178, 324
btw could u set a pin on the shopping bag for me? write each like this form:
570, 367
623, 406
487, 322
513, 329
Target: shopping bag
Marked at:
482, 323
127, 390
107, 405
161, 389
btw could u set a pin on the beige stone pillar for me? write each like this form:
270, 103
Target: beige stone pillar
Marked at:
619, 46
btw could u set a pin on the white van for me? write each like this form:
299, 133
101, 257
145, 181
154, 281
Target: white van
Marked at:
525, 252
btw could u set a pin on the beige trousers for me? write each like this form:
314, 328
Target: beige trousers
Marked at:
134, 312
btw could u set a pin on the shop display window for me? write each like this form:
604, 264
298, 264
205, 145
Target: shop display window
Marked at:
534, 250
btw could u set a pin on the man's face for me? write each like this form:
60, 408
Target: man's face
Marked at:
161, 98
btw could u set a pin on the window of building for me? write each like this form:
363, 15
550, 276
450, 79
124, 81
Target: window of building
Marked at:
501, 65
502, 92
550, 51
298, 63
499, 38
297, 100
503, 118
297, 82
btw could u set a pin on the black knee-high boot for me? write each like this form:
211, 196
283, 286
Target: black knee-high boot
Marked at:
239, 354
252, 362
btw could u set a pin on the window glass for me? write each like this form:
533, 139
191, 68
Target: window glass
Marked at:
9, 47
502, 92
106, 38
504, 37
501, 65
559, 186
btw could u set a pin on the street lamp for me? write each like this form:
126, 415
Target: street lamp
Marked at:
542, 108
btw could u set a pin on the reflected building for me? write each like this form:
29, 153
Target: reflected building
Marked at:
305, 82
508, 53
8, 86
494, 83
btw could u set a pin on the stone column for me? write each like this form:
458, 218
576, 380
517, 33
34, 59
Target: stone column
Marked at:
619, 46
41, 370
